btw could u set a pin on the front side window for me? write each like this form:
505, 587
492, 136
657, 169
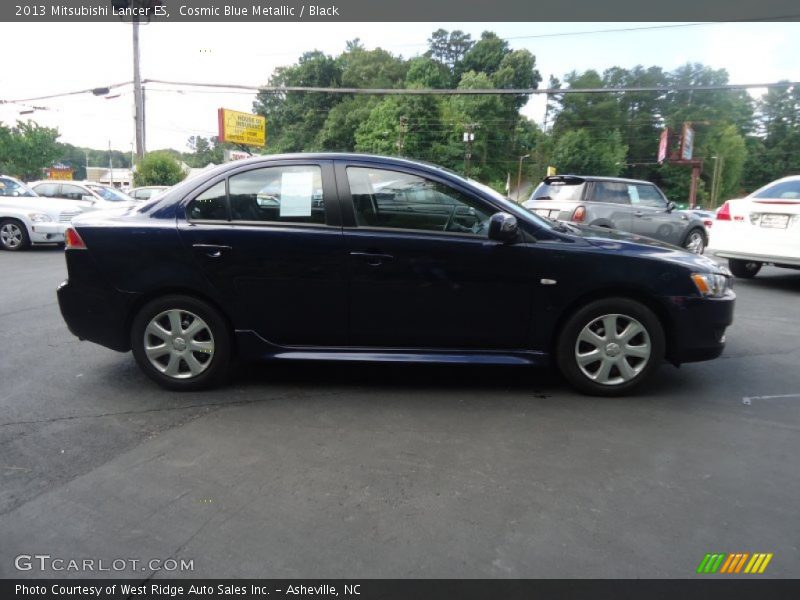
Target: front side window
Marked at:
646, 195
392, 199
109, 194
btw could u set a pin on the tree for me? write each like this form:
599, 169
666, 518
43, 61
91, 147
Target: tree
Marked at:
158, 168
582, 153
27, 148
485, 56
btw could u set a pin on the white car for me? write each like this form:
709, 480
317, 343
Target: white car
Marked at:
27, 219
762, 228
93, 196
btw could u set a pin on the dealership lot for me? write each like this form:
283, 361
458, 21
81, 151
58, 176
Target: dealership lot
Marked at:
395, 471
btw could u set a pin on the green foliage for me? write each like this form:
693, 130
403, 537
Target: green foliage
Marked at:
27, 148
158, 168
582, 153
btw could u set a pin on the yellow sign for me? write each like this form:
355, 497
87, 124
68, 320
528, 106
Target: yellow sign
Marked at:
242, 128
551, 171
60, 174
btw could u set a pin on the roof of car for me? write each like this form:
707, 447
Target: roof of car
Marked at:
598, 178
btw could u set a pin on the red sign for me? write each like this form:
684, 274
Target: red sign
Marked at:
663, 142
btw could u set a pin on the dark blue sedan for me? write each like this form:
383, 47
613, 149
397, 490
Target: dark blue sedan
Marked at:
368, 258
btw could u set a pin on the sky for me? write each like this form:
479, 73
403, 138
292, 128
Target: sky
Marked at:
47, 58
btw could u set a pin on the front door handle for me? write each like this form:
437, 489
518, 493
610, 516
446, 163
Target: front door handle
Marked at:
211, 250
638, 214
373, 259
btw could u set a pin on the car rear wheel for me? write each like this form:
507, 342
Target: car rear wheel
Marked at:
182, 343
610, 347
13, 235
746, 269
695, 241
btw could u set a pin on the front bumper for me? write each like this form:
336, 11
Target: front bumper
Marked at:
48, 233
699, 325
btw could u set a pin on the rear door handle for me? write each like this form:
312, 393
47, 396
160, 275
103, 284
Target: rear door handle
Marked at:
211, 250
638, 214
373, 258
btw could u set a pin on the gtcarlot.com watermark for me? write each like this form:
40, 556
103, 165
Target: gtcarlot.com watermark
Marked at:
46, 562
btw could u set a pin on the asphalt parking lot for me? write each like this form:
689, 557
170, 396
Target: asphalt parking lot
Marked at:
395, 471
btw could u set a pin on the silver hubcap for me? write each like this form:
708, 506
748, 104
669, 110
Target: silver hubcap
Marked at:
695, 243
179, 344
11, 235
612, 349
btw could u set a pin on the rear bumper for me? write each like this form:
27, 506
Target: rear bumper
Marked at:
699, 326
92, 309
762, 258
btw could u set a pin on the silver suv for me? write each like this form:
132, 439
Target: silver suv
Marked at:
626, 204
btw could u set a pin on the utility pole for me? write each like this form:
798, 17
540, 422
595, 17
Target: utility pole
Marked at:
138, 94
519, 174
401, 135
469, 137
110, 165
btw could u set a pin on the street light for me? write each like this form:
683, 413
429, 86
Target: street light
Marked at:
519, 174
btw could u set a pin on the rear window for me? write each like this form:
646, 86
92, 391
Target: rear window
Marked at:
785, 190
566, 191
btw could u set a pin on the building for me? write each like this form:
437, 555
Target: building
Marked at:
117, 177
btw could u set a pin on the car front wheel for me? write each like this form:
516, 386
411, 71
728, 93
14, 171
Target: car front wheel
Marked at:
182, 343
695, 241
13, 235
610, 347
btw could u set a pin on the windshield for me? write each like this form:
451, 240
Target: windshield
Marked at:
109, 194
14, 188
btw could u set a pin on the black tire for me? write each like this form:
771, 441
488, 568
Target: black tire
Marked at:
20, 233
626, 311
746, 269
216, 330
702, 238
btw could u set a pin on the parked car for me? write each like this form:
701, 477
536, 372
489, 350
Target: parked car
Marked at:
146, 192
440, 270
92, 196
762, 228
625, 204
26, 219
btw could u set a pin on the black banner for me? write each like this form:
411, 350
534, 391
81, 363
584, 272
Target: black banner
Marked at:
388, 589
267, 11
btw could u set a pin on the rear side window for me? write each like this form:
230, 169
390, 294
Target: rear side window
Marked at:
278, 194
565, 191
291, 194
211, 205
46, 189
613, 192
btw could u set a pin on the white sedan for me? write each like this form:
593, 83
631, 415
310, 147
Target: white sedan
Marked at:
26, 219
762, 228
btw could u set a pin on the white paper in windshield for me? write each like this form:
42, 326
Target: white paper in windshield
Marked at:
296, 192
633, 193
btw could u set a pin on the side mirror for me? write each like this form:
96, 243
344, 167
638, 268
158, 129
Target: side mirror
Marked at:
670, 206
503, 227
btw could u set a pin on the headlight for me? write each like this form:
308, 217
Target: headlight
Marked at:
711, 285
39, 218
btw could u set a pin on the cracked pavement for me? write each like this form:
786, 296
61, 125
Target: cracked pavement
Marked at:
395, 471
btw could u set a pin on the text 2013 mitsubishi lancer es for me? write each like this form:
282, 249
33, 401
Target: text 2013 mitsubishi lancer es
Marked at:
367, 258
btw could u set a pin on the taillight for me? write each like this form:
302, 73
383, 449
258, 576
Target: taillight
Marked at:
74, 240
724, 213
579, 215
